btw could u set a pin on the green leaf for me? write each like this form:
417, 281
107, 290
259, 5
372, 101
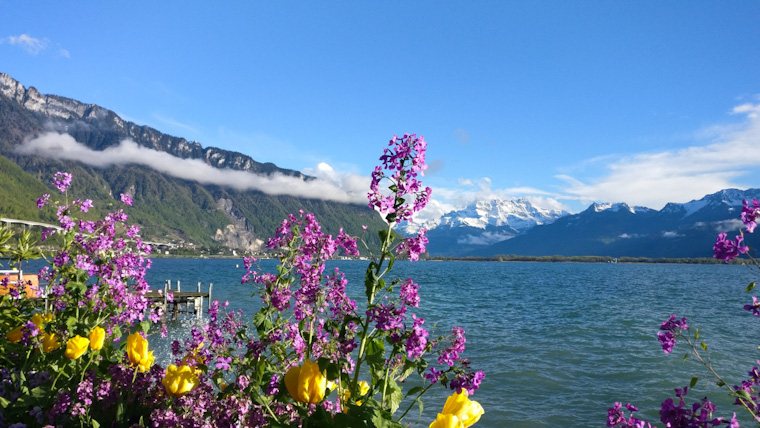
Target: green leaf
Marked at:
685, 357
71, 322
696, 334
693, 382
750, 287
744, 395
704, 346
395, 395
720, 383
415, 390
382, 419
145, 326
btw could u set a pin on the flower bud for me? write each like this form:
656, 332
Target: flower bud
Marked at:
76, 346
178, 381
97, 337
137, 352
306, 384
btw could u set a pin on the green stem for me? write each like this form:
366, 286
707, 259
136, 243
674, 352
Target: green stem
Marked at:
92, 356
414, 401
708, 365
371, 299
387, 374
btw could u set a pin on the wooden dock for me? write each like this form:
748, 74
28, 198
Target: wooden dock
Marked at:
183, 303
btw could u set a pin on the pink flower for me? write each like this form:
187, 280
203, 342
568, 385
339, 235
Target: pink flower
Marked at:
126, 199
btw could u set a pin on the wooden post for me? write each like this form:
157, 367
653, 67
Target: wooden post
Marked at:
199, 286
210, 286
167, 287
178, 286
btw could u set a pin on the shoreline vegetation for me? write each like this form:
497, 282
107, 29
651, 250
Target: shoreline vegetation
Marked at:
508, 258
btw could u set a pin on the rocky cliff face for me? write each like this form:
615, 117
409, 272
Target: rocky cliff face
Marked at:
239, 234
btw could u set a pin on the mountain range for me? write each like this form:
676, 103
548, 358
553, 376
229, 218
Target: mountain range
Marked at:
184, 210
616, 230
168, 208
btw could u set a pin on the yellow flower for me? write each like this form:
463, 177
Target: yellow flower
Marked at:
466, 410
137, 352
178, 381
306, 384
363, 389
38, 319
50, 342
15, 335
446, 421
76, 346
97, 337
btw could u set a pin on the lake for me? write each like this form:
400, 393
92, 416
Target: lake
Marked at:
559, 342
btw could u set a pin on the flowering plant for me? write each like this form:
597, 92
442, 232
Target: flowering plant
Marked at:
312, 356
672, 330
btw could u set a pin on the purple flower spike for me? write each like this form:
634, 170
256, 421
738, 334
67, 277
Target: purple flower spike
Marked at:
62, 181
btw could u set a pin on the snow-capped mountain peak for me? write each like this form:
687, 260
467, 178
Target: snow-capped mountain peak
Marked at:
516, 214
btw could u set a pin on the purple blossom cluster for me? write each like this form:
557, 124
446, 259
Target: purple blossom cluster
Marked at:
670, 330
696, 415
402, 162
414, 246
62, 181
728, 249
750, 214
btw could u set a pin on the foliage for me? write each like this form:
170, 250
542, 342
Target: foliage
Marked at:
310, 357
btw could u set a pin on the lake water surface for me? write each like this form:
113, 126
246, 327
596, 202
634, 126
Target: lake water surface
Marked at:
559, 342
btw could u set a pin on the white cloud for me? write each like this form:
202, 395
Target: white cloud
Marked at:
31, 45
653, 179
331, 185
469, 190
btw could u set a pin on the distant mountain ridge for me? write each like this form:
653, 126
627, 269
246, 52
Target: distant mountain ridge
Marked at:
169, 209
618, 230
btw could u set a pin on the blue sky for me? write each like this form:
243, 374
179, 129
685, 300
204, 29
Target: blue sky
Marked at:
567, 103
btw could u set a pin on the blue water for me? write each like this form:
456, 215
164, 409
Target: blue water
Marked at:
559, 342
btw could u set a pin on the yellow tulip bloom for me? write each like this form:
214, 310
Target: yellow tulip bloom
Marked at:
466, 410
15, 335
50, 342
137, 352
38, 319
445, 420
178, 381
97, 337
76, 347
306, 384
